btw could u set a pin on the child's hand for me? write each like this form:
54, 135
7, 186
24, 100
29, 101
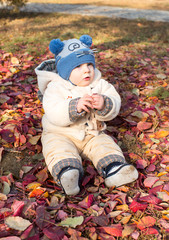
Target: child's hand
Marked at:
98, 101
84, 103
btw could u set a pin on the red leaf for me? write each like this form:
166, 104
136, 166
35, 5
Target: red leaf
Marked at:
17, 207
7, 135
144, 125
50, 232
156, 189
61, 215
27, 232
87, 202
28, 179
150, 199
22, 139
146, 222
164, 223
166, 187
149, 231
86, 180
165, 159
114, 230
35, 237
135, 206
42, 217
151, 168
141, 164
149, 182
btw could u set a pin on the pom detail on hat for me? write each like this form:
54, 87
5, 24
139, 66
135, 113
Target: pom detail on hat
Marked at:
56, 46
86, 39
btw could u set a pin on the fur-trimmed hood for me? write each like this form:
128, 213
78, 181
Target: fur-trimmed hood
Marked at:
46, 73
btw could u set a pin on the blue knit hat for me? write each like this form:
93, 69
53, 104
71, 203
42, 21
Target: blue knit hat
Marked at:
71, 53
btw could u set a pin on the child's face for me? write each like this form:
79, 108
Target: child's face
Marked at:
82, 75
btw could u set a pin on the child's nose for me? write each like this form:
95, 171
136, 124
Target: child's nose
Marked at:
86, 68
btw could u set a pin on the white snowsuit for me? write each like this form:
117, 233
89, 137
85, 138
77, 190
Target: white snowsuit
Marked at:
67, 135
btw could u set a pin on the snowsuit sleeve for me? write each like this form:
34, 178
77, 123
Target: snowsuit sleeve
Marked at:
112, 102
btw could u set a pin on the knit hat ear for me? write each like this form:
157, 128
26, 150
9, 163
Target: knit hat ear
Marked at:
86, 39
56, 46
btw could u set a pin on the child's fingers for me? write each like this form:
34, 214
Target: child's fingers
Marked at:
88, 98
88, 104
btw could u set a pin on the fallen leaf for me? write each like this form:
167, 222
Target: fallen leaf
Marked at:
161, 133
54, 233
17, 223
33, 185
165, 159
10, 238
113, 230
1, 151
146, 222
140, 114
34, 139
15, 61
7, 135
37, 192
17, 207
163, 196
164, 223
128, 229
150, 199
135, 206
149, 182
150, 231
141, 164
126, 219
86, 202
6, 188
42, 175
101, 220
144, 125
3, 197
42, 217
72, 222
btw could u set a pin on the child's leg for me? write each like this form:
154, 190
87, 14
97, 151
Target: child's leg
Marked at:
63, 161
109, 161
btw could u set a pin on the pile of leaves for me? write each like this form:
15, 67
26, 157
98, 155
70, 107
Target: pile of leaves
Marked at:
33, 207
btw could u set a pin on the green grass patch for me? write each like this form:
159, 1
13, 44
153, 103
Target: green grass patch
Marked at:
33, 32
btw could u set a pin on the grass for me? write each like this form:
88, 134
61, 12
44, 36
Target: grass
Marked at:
33, 32
124, 43
143, 4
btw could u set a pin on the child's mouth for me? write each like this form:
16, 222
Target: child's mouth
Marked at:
87, 78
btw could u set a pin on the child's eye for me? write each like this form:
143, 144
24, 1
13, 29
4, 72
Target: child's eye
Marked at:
90, 64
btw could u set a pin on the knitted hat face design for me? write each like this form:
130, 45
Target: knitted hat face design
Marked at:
71, 53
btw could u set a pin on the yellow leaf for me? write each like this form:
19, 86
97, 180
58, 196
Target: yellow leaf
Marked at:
123, 207
33, 185
125, 219
46, 194
161, 174
14, 61
161, 133
37, 192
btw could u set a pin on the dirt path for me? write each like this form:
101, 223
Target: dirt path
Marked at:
92, 10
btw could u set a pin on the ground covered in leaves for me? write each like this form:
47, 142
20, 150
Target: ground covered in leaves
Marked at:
33, 207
